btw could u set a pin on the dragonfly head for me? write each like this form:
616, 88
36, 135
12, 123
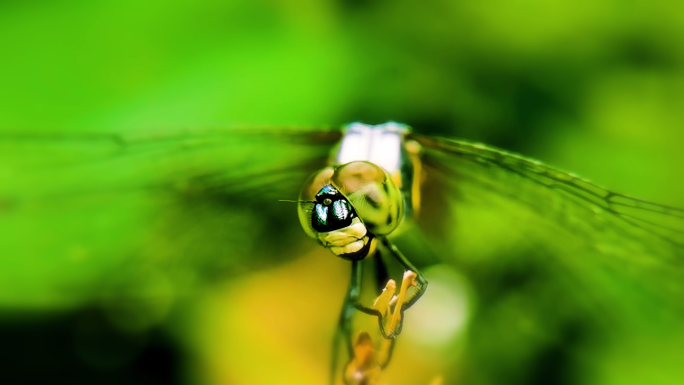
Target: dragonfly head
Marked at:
348, 206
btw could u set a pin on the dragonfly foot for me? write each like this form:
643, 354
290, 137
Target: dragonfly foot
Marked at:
363, 367
366, 364
391, 307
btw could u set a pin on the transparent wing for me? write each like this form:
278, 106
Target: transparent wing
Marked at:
86, 215
587, 209
561, 268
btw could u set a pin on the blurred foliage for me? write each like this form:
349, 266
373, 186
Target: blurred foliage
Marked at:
132, 229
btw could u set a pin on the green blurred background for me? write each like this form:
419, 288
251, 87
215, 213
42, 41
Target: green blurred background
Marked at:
594, 87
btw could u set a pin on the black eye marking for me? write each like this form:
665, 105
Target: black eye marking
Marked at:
332, 210
385, 186
389, 219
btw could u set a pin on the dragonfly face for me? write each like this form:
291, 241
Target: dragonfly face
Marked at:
346, 207
363, 195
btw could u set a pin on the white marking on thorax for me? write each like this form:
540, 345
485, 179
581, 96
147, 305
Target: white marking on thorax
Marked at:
379, 144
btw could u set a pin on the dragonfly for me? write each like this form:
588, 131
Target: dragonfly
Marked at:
97, 215
352, 206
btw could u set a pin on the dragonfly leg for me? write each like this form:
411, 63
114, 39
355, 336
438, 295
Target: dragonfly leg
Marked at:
421, 282
365, 362
355, 290
389, 321
343, 330
390, 307
381, 273
343, 334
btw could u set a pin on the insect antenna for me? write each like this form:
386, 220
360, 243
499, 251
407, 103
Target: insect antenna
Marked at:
297, 201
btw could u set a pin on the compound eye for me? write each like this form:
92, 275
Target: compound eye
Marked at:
327, 201
372, 193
